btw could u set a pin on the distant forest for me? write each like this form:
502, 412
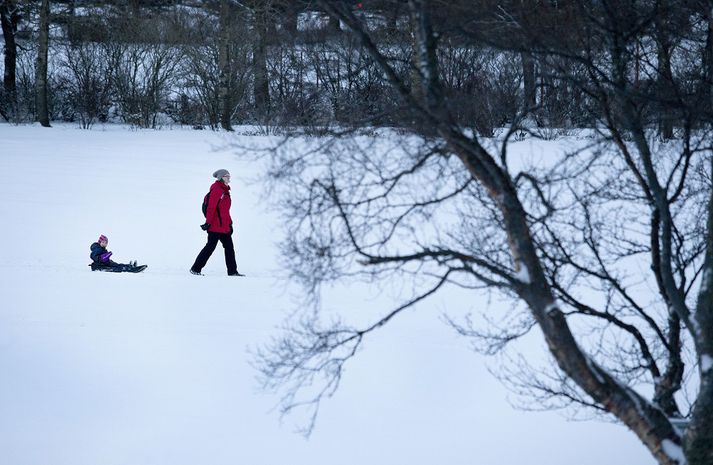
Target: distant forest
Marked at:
218, 63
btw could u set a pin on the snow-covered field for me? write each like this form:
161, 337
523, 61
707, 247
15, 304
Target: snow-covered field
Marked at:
154, 368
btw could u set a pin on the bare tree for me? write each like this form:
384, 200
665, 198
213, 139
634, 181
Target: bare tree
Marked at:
89, 80
224, 65
666, 84
529, 80
41, 69
143, 76
9, 19
446, 207
262, 19
216, 73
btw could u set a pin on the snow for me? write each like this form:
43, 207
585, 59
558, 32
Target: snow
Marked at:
679, 425
551, 308
706, 281
154, 368
523, 274
694, 325
674, 451
706, 363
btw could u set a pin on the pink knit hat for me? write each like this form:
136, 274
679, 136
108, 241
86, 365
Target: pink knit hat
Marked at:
103, 238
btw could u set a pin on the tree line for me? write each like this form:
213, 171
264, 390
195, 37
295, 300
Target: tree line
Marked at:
217, 63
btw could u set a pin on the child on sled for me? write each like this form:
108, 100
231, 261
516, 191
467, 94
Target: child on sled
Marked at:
101, 259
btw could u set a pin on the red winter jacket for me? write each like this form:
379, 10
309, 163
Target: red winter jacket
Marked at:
217, 214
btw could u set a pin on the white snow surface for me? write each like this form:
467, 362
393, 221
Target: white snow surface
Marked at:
553, 307
523, 274
706, 363
674, 451
154, 368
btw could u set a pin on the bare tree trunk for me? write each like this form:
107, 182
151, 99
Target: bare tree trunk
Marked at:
71, 21
699, 435
665, 117
9, 19
41, 70
528, 80
707, 90
135, 6
415, 76
334, 25
261, 88
665, 75
425, 84
226, 107
392, 21
289, 19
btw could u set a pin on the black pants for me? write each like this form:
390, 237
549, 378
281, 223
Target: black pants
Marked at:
204, 255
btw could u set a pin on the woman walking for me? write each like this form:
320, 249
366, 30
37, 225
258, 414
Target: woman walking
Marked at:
218, 224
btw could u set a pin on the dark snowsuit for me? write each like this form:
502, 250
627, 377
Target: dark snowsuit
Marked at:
217, 215
96, 252
109, 265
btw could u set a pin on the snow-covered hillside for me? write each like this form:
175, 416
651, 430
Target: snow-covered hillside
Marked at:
154, 368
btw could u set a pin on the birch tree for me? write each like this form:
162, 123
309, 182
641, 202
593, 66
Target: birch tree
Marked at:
41, 67
447, 207
9, 19
224, 66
